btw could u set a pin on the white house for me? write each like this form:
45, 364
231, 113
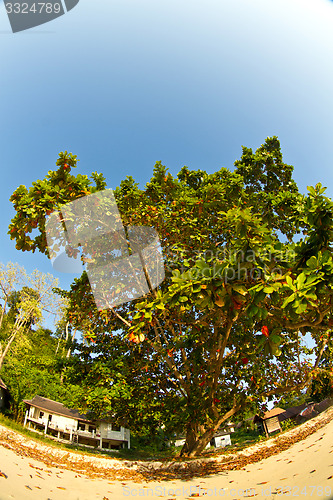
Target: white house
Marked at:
67, 424
220, 439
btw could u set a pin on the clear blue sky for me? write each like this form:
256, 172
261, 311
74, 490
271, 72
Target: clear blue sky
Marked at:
125, 83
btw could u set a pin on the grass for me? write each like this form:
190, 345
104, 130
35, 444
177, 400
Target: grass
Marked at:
243, 438
240, 439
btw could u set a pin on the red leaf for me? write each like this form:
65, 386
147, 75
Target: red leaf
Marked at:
265, 331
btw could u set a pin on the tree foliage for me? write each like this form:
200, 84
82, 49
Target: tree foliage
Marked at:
224, 329
322, 383
33, 367
23, 298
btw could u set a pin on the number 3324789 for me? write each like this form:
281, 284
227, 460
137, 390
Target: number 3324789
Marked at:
35, 8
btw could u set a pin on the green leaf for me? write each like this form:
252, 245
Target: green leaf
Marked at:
300, 280
275, 339
239, 289
288, 300
290, 282
201, 264
312, 263
252, 310
301, 308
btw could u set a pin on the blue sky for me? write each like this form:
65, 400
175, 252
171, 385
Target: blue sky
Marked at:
123, 84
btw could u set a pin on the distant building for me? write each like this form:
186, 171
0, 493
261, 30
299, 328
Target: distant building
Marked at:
228, 427
66, 424
270, 422
293, 412
313, 409
272, 419
219, 440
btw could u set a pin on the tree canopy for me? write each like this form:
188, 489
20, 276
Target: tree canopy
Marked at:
248, 272
23, 300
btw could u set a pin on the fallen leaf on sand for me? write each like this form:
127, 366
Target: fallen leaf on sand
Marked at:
145, 471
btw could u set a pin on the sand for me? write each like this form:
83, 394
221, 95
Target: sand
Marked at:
297, 464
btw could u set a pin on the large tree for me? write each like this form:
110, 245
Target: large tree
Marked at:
24, 299
225, 327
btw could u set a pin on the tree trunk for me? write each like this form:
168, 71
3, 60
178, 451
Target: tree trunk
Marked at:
196, 440
3, 353
70, 349
197, 437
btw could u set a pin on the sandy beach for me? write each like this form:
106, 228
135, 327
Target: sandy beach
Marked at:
296, 464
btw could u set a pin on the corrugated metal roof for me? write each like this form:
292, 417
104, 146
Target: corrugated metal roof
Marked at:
323, 405
308, 410
54, 407
293, 411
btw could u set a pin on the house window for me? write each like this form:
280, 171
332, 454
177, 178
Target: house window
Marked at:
50, 418
41, 414
82, 427
91, 428
116, 428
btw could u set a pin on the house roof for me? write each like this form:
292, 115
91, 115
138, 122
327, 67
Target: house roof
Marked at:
309, 411
274, 412
54, 407
293, 411
221, 433
323, 405
314, 409
2, 384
